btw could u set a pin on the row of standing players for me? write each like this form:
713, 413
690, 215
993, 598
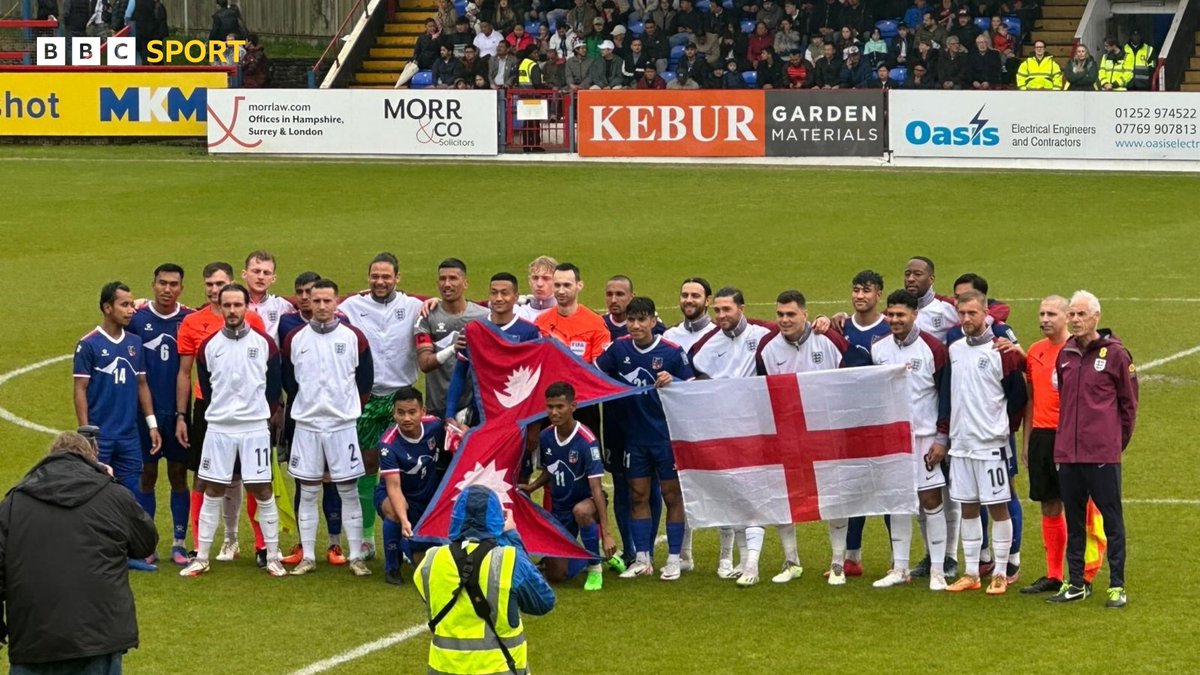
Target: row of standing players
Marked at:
411, 448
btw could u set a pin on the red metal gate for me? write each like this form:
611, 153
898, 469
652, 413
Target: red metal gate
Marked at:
538, 120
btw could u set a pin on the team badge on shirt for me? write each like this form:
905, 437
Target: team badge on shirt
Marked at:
339, 348
751, 344
983, 363
937, 322
132, 351
252, 352
1099, 365
399, 313
817, 357
655, 363
572, 457
914, 364
272, 316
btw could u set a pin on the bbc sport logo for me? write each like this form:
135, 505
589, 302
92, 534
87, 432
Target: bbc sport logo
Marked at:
122, 51
977, 131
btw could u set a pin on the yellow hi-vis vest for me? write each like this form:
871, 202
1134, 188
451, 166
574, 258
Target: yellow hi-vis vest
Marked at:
1044, 74
1142, 65
1114, 72
525, 73
462, 642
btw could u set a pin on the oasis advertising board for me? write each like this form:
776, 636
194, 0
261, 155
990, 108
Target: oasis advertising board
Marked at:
353, 122
1045, 125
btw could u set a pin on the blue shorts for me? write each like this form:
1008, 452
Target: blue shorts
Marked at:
644, 461
415, 509
124, 455
567, 520
171, 449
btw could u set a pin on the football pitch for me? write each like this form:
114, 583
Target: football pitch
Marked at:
75, 218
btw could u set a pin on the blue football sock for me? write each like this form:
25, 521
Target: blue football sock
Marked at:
391, 545
575, 566
674, 537
1018, 520
621, 512
181, 502
331, 505
147, 500
642, 540
855, 533
656, 508
589, 535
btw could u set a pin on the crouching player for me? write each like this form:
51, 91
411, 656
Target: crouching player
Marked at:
408, 453
570, 460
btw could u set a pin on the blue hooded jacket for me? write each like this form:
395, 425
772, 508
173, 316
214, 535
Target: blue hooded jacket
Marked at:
478, 516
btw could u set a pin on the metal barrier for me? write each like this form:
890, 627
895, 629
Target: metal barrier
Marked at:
538, 120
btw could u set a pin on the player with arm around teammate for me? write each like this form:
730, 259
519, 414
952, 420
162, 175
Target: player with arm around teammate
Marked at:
327, 373
926, 359
570, 459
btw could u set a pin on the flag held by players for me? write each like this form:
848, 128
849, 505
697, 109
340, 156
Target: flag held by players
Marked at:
793, 448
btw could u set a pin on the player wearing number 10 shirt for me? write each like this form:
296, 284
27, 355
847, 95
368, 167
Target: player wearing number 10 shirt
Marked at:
240, 378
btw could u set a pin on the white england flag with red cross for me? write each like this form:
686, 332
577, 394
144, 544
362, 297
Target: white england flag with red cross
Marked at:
793, 448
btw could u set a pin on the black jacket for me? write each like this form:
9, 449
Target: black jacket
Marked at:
67, 531
984, 66
225, 22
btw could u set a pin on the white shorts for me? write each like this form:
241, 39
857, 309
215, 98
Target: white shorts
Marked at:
313, 451
926, 480
979, 481
221, 452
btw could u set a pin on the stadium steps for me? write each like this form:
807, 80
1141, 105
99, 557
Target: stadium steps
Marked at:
393, 47
1190, 83
1060, 19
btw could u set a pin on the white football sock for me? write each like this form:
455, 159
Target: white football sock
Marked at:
726, 534
837, 539
210, 515
754, 544
739, 536
672, 558
1002, 533
935, 532
352, 518
953, 512
855, 554
268, 519
787, 538
901, 541
232, 509
972, 541
1014, 558
985, 553
642, 557
307, 519
685, 548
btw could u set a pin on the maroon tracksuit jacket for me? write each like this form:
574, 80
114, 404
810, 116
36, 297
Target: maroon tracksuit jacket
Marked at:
1098, 392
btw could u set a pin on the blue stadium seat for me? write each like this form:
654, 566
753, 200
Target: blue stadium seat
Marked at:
704, 6
728, 4
888, 28
983, 23
531, 27
676, 55
423, 79
460, 6
668, 76
898, 74
1014, 26
636, 27
751, 77
748, 26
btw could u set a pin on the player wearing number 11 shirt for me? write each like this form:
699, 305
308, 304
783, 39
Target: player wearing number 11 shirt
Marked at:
240, 378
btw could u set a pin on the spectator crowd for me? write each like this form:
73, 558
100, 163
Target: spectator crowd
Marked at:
703, 44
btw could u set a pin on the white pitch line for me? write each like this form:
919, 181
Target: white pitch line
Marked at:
9, 416
362, 650
1167, 359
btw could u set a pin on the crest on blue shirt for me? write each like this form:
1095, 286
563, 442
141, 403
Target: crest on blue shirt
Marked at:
818, 357
339, 348
572, 456
656, 363
252, 352
432, 444
132, 351
399, 313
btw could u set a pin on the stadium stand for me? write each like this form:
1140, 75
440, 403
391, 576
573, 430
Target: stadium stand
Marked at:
1191, 77
1057, 26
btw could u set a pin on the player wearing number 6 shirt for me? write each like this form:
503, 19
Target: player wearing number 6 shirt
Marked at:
240, 378
730, 352
926, 359
796, 348
987, 403
327, 373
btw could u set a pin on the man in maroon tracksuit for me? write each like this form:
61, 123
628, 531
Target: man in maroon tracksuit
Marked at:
1098, 389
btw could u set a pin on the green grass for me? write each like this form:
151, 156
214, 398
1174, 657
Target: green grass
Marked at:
76, 218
